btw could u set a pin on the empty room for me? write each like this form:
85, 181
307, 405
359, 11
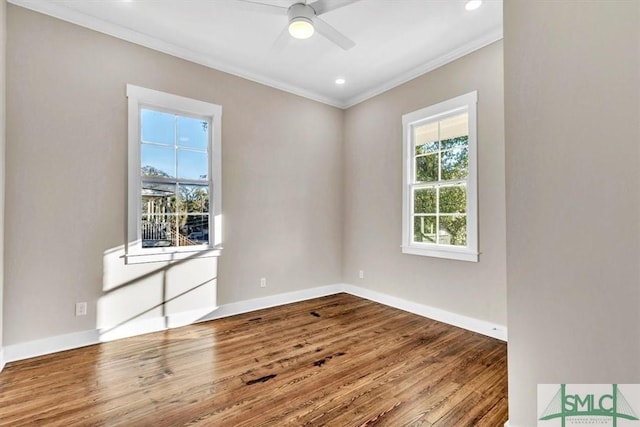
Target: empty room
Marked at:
320, 213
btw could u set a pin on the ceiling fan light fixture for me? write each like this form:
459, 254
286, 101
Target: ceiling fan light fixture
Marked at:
301, 28
473, 4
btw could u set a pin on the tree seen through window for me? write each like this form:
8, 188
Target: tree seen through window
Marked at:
441, 167
175, 187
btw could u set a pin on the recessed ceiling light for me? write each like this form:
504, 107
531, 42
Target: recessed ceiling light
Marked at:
473, 4
340, 81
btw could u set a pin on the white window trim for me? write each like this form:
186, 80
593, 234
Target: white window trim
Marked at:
470, 252
137, 97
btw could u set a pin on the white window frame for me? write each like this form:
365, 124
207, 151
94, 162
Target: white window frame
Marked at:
462, 103
139, 97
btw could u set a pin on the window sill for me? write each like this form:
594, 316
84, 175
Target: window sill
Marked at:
448, 253
142, 257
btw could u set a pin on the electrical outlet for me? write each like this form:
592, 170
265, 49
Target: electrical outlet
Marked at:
263, 282
81, 309
361, 274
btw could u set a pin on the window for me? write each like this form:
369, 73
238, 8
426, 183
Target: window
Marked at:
439, 180
174, 177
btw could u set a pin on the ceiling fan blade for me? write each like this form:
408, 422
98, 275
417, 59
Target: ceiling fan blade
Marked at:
332, 34
282, 41
262, 7
323, 6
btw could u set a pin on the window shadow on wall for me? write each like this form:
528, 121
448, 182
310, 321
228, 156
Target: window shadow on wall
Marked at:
141, 298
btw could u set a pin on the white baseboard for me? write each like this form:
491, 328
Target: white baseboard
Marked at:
132, 328
2, 362
153, 324
246, 306
48, 345
57, 343
483, 327
464, 322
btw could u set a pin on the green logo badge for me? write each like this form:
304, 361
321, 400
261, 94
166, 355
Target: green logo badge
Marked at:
588, 404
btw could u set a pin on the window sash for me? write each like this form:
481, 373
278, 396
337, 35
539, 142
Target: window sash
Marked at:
176, 238
411, 121
142, 98
437, 214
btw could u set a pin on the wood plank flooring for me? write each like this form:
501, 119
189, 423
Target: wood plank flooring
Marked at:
332, 361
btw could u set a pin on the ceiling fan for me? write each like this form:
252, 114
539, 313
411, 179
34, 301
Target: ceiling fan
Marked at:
304, 21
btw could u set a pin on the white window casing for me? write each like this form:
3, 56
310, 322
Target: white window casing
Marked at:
139, 97
426, 116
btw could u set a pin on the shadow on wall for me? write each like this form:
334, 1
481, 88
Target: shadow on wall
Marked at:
141, 298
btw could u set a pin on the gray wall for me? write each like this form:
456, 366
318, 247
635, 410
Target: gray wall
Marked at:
373, 194
66, 184
3, 40
572, 103
311, 194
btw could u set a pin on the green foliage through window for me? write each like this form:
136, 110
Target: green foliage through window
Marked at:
440, 206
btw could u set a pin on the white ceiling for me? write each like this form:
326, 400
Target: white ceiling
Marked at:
396, 40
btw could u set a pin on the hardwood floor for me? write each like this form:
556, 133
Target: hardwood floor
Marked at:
332, 361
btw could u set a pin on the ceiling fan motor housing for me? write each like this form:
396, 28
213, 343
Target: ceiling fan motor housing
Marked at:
301, 11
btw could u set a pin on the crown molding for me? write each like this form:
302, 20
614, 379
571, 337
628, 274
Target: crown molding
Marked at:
99, 25
465, 49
